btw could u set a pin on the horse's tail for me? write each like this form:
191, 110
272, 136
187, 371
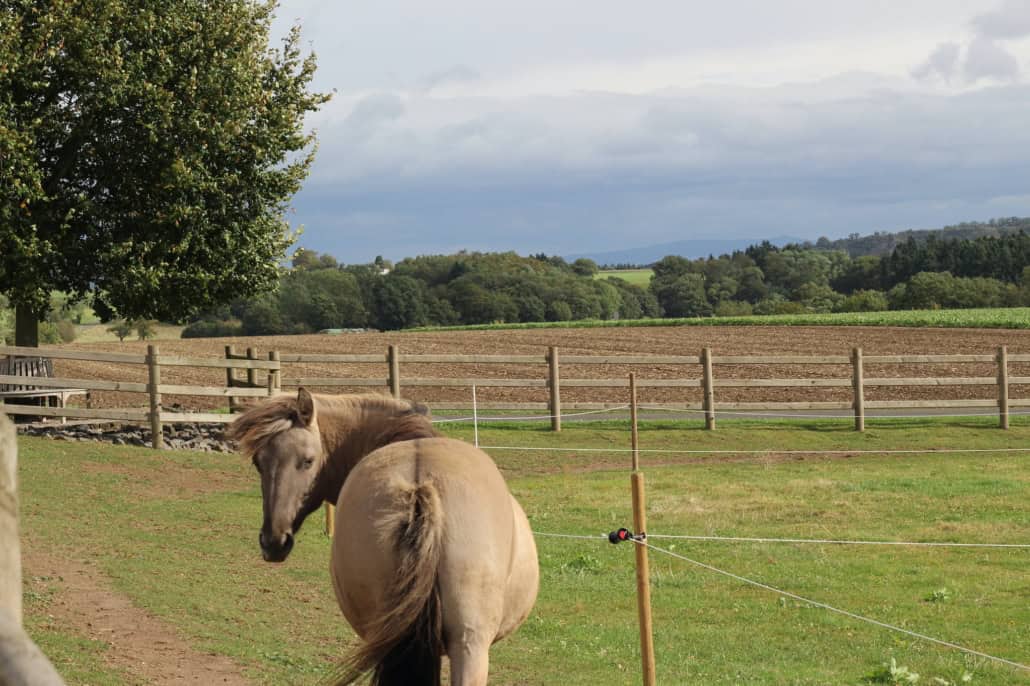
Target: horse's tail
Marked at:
403, 647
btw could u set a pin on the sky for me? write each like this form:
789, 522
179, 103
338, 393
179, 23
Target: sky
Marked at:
576, 127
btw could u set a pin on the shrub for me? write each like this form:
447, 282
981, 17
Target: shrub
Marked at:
48, 333
818, 297
864, 301
559, 311
213, 329
777, 305
121, 329
145, 328
733, 308
66, 330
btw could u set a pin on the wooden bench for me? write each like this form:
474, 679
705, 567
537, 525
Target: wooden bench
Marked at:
37, 367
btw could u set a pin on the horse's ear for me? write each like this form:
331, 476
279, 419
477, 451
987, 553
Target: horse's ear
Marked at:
420, 408
305, 407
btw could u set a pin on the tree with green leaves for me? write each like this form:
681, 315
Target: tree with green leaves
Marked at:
399, 302
864, 301
684, 297
147, 153
121, 328
584, 266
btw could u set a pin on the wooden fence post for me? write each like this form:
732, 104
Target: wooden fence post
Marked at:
554, 386
708, 386
156, 434
230, 376
21, 662
1003, 387
273, 374
643, 566
394, 359
251, 373
858, 387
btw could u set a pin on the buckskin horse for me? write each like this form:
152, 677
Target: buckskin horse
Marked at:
432, 554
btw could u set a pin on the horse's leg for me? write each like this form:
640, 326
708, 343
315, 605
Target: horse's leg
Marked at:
473, 607
470, 660
524, 579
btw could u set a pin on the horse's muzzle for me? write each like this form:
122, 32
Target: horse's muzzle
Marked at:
275, 549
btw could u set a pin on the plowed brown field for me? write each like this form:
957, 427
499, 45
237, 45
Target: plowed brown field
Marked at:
598, 341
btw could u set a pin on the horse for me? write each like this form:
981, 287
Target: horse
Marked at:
431, 556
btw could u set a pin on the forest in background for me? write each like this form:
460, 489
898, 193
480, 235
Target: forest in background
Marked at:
921, 272
966, 266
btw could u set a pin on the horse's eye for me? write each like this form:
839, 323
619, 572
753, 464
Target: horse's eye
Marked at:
306, 463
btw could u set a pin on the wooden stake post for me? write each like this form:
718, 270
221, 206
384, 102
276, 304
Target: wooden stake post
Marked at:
1003, 387
643, 567
708, 388
330, 519
10, 552
858, 388
554, 386
21, 662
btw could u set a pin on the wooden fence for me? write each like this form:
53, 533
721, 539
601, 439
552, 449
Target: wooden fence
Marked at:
699, 372
154, 414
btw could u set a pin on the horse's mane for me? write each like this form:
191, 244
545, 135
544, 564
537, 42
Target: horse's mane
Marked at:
259, 424
407, 427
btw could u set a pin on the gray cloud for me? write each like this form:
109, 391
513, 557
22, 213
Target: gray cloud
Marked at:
373, 110
456, 75
555, 174
986, 59
1011, 20
620, 127
985, 56
942, 63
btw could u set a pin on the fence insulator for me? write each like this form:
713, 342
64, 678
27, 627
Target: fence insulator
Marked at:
624, 534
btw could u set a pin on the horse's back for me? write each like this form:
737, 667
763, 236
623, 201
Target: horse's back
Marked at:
488, 571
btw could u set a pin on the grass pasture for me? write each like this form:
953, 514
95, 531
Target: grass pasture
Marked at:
176, 532
640, 277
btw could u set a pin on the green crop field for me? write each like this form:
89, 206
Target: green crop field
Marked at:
176, 532
984, 318
641, 277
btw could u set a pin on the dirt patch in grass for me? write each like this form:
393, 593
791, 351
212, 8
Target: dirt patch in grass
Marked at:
146, 648
173, 482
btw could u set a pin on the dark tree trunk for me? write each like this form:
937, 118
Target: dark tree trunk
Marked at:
26, 326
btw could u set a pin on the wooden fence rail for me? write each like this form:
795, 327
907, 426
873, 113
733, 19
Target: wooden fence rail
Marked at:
699, 372
154, 413
544, 372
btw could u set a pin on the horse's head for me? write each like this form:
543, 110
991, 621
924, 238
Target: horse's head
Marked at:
285, 445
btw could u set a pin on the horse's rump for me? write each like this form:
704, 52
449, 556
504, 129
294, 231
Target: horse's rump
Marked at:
404, 644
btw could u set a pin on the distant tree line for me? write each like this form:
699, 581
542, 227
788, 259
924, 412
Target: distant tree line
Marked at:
465, 288
476, 288
883, 243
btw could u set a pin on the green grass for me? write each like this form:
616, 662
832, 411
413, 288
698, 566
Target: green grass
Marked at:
640, 277
189, 555
984, 318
